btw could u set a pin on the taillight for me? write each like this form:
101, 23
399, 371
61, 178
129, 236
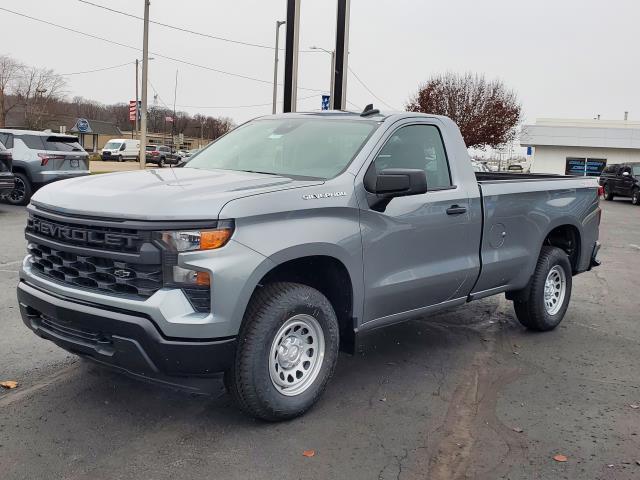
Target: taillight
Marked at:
155, 153
600, 191
45, 157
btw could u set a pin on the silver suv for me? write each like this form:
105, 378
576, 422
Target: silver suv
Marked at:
40, 158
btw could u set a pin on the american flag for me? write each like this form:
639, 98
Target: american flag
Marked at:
132, 110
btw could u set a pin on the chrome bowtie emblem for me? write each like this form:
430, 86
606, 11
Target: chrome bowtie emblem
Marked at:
123, 273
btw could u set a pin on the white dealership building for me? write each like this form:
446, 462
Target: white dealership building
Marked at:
580, 147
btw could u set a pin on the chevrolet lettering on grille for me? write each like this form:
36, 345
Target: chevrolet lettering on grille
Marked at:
80, 235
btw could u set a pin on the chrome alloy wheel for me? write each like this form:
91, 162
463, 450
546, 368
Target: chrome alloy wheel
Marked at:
555, 288
296, 355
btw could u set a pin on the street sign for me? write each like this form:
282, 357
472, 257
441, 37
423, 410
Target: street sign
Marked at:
325, 102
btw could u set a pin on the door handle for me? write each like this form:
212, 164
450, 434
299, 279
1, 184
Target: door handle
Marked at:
456, 210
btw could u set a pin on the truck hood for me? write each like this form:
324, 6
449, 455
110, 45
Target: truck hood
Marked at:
159, 194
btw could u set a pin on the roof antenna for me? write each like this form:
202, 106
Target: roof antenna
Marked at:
369, 110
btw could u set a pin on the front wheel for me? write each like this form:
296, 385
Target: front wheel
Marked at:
549, 292
608, 194
161, 163
120, 159
287, 351
635, 196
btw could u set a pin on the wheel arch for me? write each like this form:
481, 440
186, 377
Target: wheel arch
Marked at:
567, 236
320, 267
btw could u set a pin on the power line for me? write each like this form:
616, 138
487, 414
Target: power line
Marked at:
98, 69
369, 90
166, 57
240, 106
184, 29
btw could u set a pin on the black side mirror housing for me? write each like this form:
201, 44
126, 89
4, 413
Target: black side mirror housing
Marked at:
393, 182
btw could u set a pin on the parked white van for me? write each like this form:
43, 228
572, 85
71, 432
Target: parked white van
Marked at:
121, 149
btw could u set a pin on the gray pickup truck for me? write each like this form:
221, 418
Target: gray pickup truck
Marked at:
288, 239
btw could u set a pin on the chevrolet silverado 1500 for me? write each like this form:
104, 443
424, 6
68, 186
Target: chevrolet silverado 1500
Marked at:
289, 238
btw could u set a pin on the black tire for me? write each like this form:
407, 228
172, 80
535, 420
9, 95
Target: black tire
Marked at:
249, 379
635, 196
161, 162
120, 159
608, 194
532, 311
22, 192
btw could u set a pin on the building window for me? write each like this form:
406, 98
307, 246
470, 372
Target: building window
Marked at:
585, 167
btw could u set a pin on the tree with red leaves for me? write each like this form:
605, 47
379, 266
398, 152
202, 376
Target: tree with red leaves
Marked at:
486, 112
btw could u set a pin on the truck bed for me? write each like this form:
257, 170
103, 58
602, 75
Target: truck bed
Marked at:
519, 210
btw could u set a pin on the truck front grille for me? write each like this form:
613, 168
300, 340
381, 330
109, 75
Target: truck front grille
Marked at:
96, 273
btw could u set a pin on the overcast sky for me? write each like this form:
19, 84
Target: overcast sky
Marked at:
564, 58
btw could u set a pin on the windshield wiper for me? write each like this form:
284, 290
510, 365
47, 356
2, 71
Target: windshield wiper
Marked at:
264, 173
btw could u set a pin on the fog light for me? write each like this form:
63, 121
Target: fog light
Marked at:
185, 276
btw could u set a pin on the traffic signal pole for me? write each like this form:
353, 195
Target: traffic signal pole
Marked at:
291, 56
341, 68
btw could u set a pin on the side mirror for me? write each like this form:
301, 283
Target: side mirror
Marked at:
393, 182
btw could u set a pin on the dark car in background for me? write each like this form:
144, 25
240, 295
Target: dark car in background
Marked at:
7, 179
622, 180
161, 155
40, 158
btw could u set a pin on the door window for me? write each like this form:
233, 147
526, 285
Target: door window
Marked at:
417, 147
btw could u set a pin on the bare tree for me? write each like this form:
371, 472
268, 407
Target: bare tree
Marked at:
487, 112
10, 76
37, 88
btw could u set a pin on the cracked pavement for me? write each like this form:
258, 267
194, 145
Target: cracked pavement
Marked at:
466, 393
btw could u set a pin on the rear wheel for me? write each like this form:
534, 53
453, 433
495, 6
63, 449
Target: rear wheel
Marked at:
21, 193
287, 351
161, 162
608, 194
549, 292
635, 196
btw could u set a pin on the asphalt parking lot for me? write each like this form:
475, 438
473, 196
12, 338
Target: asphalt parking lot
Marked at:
463, 394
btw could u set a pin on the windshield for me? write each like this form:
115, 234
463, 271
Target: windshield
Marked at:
112, 145
150, 148
305, 147
636, 170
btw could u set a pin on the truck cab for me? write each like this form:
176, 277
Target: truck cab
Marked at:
622, 180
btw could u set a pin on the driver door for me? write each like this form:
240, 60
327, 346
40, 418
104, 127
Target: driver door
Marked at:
422, 250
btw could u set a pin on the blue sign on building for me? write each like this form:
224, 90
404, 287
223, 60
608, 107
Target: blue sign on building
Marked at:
82, 125
325, 102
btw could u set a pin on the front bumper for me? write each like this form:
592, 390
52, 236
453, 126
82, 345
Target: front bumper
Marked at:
122, 339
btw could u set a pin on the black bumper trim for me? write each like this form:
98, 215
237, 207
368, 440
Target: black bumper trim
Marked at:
125, 341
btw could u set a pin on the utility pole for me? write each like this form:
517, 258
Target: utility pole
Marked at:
137, 112
279, 23
333, 72
145, 67
173, 123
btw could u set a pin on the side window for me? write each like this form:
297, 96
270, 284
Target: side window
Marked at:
418, 147
7, 140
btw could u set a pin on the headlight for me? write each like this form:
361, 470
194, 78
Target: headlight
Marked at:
191, 240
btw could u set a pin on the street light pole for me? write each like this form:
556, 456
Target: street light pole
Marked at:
279, 23
333, 72
145, 67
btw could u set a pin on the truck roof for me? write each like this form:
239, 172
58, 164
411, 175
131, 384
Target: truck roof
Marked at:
348, 115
